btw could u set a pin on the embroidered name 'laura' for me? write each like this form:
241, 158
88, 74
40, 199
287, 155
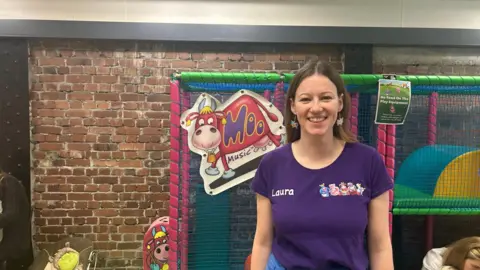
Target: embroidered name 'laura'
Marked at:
283, 192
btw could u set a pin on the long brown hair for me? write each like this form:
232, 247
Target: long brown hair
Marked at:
342, 132
459, 251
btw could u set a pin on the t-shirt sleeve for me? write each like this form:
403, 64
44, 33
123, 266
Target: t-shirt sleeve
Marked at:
380, 180
260, 180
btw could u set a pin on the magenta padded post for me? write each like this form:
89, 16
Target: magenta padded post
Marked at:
279, 96
432, 139
390, 164
267, 94
382, 135
175, 131
185, 188
354, 113
382, 140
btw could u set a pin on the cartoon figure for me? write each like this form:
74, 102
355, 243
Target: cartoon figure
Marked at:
240, 125
334, 190
352, 190
392, 108
156, 246
159, 248
324, 191
343, 189
398, 90
360, 189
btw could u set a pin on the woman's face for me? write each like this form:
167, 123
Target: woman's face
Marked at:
471, 264
316, 105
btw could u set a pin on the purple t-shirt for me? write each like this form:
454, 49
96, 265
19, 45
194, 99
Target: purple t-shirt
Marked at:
320, 216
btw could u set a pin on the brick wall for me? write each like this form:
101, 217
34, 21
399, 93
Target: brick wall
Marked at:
100, 132
457, 124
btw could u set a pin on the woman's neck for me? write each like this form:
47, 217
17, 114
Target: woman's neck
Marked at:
318, 148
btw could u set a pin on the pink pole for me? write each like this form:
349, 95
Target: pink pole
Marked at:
390, 164
432, 138
267, 94
279, 96
354, 113
185, 191
382, 135
173, 253
382, 140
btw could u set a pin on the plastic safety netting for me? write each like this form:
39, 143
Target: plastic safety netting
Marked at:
433, 158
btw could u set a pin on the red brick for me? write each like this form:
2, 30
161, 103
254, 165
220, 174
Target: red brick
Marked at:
51, 61
80, 96
51, 78
105, 79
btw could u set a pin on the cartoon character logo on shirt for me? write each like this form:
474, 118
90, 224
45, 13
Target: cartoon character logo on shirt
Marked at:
344, 189
348, 189
352, 190
360, 189
324, 191
334, 190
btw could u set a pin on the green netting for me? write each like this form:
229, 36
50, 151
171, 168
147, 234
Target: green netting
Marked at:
417, 178
438, 141
350, 79
437, 160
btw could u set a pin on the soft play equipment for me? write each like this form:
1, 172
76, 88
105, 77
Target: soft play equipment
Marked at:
155, 245
212, 209
445, 177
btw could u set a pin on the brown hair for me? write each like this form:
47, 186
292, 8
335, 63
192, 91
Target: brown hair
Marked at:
311, 68
459, 251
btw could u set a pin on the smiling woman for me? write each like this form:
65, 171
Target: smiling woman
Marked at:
318, 84
321, 167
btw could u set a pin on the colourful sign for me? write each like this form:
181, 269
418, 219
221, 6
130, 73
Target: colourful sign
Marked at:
393, 101
155, 245
232, 137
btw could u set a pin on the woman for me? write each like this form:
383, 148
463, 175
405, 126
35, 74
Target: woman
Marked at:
15, 247
317, 193
463, 254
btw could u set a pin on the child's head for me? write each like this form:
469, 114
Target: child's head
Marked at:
463, 254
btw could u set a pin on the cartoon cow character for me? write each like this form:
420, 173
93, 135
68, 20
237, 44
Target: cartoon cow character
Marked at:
239, 126
158, 249
334, 190
352, 190
343, 189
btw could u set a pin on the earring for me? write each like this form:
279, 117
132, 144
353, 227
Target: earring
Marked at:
340, 121
294, 123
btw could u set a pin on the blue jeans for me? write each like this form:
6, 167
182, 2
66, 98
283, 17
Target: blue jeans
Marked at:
273, 264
